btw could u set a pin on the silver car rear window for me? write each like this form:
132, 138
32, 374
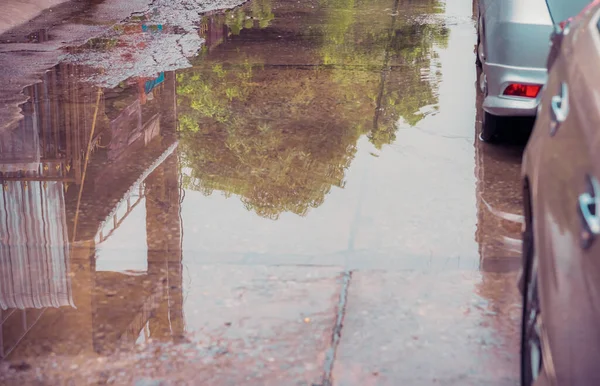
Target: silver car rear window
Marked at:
561, 10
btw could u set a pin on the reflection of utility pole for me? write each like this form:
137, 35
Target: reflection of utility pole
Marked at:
85, 165
385, 68
163, 234
163, 227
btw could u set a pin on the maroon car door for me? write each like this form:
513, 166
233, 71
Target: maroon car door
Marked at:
568, 206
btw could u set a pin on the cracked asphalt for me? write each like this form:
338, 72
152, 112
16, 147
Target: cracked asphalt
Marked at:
269, 193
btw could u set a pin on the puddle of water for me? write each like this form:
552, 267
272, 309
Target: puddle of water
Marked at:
156, 152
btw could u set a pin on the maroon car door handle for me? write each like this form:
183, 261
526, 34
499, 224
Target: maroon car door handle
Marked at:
589, 204
559, 108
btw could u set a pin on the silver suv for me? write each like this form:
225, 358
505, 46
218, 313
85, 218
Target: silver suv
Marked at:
513, 46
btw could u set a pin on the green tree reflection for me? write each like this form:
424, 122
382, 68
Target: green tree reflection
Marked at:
273, 142
281, 137
258, 13
380, 54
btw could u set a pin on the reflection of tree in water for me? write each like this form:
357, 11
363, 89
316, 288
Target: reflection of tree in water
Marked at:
280, 138
275, 144
383, 66
259, 13
209, 93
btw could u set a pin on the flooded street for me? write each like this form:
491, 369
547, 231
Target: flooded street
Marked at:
282, 193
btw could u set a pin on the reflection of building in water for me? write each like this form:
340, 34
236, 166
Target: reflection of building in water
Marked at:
34, 254
213, 30
48, 143
216, 26
55, 214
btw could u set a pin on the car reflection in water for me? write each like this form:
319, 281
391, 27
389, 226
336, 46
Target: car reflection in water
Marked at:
499, 225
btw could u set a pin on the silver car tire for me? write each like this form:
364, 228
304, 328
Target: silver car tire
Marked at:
490, 127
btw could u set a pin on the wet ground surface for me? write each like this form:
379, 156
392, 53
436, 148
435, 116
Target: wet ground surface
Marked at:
283, 193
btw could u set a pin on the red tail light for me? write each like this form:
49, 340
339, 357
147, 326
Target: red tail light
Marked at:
523, 90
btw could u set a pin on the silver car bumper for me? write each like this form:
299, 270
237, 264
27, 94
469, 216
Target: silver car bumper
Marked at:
498, 77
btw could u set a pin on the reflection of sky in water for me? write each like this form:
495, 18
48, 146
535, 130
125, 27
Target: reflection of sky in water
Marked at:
385, 208
217, 224
222, 225
126, 249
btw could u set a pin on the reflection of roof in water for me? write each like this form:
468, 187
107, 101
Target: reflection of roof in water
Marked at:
134, 187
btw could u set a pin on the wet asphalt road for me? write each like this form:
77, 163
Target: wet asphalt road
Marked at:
286, 193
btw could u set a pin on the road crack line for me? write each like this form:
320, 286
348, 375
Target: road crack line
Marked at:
337, 331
